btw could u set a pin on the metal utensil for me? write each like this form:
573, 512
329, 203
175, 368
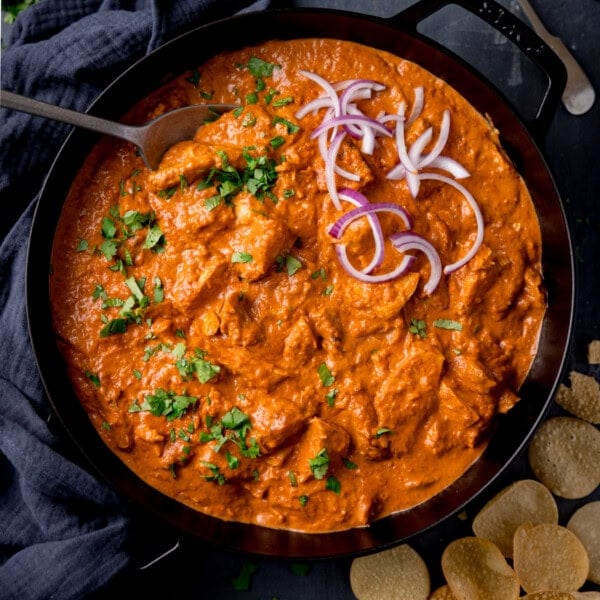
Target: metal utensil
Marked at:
579, 95
153, 139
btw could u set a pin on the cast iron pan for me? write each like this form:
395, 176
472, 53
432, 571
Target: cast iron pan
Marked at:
398, 35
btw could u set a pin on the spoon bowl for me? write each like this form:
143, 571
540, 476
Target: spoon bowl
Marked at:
153, 139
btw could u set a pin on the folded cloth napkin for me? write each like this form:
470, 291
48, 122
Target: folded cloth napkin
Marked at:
63, 534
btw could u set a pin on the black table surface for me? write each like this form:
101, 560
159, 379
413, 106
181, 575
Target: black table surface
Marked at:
572, 154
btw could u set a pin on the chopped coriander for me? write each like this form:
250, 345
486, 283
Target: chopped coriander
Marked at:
241, 257
93, 378
167, 404
418, 327
260, 85
197, 365
216, 475
180, 333
154, 238
447, 324
261, 68
211, 203
303, 499
167, 193
289, 193
383, 431
327, 379
232, 461
292, 265
331, 396
106, 425
206, 95
293, 479
333, 484
82, 246
109, 249
251, 98
194, 78
283, 101
114, 326
290, 127
238, 111
277, 141
328, 290
319, 273
137, 374
271, 94
349, 464
159, 292
319, 464
183, 183
249, 120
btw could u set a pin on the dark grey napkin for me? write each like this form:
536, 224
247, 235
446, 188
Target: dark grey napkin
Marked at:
63, 534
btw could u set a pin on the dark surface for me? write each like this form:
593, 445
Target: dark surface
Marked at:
571, 153
573, 159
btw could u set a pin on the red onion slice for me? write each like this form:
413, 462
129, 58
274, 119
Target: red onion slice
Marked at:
361, 120
338, 228
440, 143
402, 268
357, 199
330, 159
327, 87
445, 163
417, 107
313, 106
478, 218
406, 240
417, 147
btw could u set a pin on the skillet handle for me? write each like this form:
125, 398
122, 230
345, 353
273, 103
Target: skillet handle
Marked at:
515, 31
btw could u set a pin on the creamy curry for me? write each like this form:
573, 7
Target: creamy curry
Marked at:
251, 347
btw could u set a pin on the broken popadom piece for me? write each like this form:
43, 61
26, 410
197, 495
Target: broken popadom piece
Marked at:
582, 399
398, 573
549, 557
585, 524
525, 501
475, 569
564, 454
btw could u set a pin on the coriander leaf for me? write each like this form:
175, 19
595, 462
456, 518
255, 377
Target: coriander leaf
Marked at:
418, 327
319, 464
241, 257
93, 378
327, 379
154, 238
261, 68
290, 127
303, 499
292, 264
383, 431
447, 324
114, 326
333, 484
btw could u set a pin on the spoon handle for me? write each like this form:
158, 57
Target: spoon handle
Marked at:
65, 115
579, 95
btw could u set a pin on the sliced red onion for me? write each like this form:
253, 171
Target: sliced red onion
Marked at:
401, 141
325, 154
313, 106
445, 163
417, 107
402, 268
351, 120
338, 228
327, 87
417, 147
440, 143
330, 159
478, 218
407, 240
357, 199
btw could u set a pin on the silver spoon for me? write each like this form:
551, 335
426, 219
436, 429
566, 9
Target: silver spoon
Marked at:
579, 94
153, 139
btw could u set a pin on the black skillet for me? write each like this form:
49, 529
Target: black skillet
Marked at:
398, 35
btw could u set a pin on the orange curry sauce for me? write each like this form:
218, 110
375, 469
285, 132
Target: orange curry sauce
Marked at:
219, 347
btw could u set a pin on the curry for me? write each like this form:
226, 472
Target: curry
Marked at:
309, 316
